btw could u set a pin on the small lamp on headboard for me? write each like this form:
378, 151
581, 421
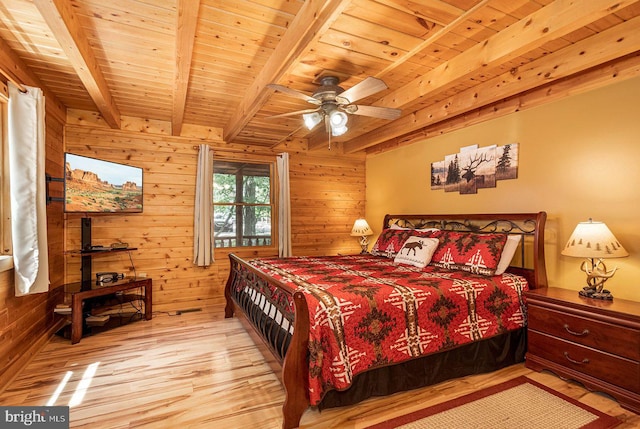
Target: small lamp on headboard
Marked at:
362, 229
594, 241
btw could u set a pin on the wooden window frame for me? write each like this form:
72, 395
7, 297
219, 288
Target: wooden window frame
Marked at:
6, 258
273, 201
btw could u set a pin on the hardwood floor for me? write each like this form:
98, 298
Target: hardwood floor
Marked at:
200, 370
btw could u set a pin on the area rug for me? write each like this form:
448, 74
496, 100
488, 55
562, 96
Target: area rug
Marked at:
518, 403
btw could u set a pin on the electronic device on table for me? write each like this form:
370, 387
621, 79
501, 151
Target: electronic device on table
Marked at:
105, 278
112, 246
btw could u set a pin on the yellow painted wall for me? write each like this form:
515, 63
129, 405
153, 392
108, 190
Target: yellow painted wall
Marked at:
579, 158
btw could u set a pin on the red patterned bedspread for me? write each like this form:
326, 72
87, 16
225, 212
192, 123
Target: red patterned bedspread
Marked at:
367, 312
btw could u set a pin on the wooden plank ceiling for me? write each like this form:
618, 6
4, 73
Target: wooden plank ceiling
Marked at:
208, 62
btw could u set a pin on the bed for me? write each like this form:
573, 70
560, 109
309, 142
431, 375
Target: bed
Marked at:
438, 297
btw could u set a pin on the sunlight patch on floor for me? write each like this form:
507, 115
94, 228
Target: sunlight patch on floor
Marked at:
52, 401
84, 384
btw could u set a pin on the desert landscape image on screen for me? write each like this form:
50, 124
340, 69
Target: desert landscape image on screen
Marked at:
98, 186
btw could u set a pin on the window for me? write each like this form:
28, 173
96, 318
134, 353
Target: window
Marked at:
242, 203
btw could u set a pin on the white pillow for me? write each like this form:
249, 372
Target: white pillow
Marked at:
508, 251
417, 251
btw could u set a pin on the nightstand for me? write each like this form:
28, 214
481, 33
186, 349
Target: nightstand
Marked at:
594, 342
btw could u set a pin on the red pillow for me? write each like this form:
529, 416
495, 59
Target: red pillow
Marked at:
390, 241
467, 251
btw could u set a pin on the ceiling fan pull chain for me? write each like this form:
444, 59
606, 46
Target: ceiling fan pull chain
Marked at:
329, 141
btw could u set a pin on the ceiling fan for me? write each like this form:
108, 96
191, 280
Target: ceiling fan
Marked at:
334, 103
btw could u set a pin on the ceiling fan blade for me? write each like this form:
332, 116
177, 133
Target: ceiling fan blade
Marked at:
293, 93
377, 112
297, 112
367, 87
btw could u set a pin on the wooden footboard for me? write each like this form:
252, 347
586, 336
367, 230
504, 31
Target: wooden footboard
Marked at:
291, 354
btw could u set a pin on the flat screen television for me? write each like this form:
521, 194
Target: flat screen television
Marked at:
97, 186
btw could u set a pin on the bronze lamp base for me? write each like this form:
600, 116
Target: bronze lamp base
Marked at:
597, 274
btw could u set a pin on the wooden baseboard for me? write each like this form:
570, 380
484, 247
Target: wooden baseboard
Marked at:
14, 369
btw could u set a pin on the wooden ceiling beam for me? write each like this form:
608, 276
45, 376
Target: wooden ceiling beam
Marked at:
616, 70
615, 42
314, 17
318, 140
187, 20
454, 24
551, 22
18, 71
62, 21
439, 12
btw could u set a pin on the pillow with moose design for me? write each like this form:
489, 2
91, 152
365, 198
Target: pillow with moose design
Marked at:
390, 241
417, 251
467, 251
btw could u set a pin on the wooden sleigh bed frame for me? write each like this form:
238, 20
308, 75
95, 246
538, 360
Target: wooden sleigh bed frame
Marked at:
289, 343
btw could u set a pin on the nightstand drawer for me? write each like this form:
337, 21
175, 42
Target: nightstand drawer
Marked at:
613, 339
604, 366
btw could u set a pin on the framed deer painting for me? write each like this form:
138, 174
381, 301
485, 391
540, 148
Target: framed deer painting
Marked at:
475, 168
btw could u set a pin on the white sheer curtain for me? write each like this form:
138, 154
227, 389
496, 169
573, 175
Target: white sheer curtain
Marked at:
284, 206
203, 214
28, 190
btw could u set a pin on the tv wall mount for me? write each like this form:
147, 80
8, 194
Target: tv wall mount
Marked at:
51, 199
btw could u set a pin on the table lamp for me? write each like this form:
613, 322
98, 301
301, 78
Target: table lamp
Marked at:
361, 229
595, 242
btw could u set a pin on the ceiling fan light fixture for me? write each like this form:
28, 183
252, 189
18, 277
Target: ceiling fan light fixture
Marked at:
338, 119
338, 131
311, 120
335, 104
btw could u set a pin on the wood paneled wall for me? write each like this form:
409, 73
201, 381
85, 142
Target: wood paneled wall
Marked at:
327, 195
27, 321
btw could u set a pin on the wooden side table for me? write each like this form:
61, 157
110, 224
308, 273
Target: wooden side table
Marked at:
591, 341
79, 294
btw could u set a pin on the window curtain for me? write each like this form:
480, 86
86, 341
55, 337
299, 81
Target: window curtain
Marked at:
284, 206
28, 190
203, 215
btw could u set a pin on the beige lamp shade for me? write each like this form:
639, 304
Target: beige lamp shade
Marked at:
593, 240
361, 228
